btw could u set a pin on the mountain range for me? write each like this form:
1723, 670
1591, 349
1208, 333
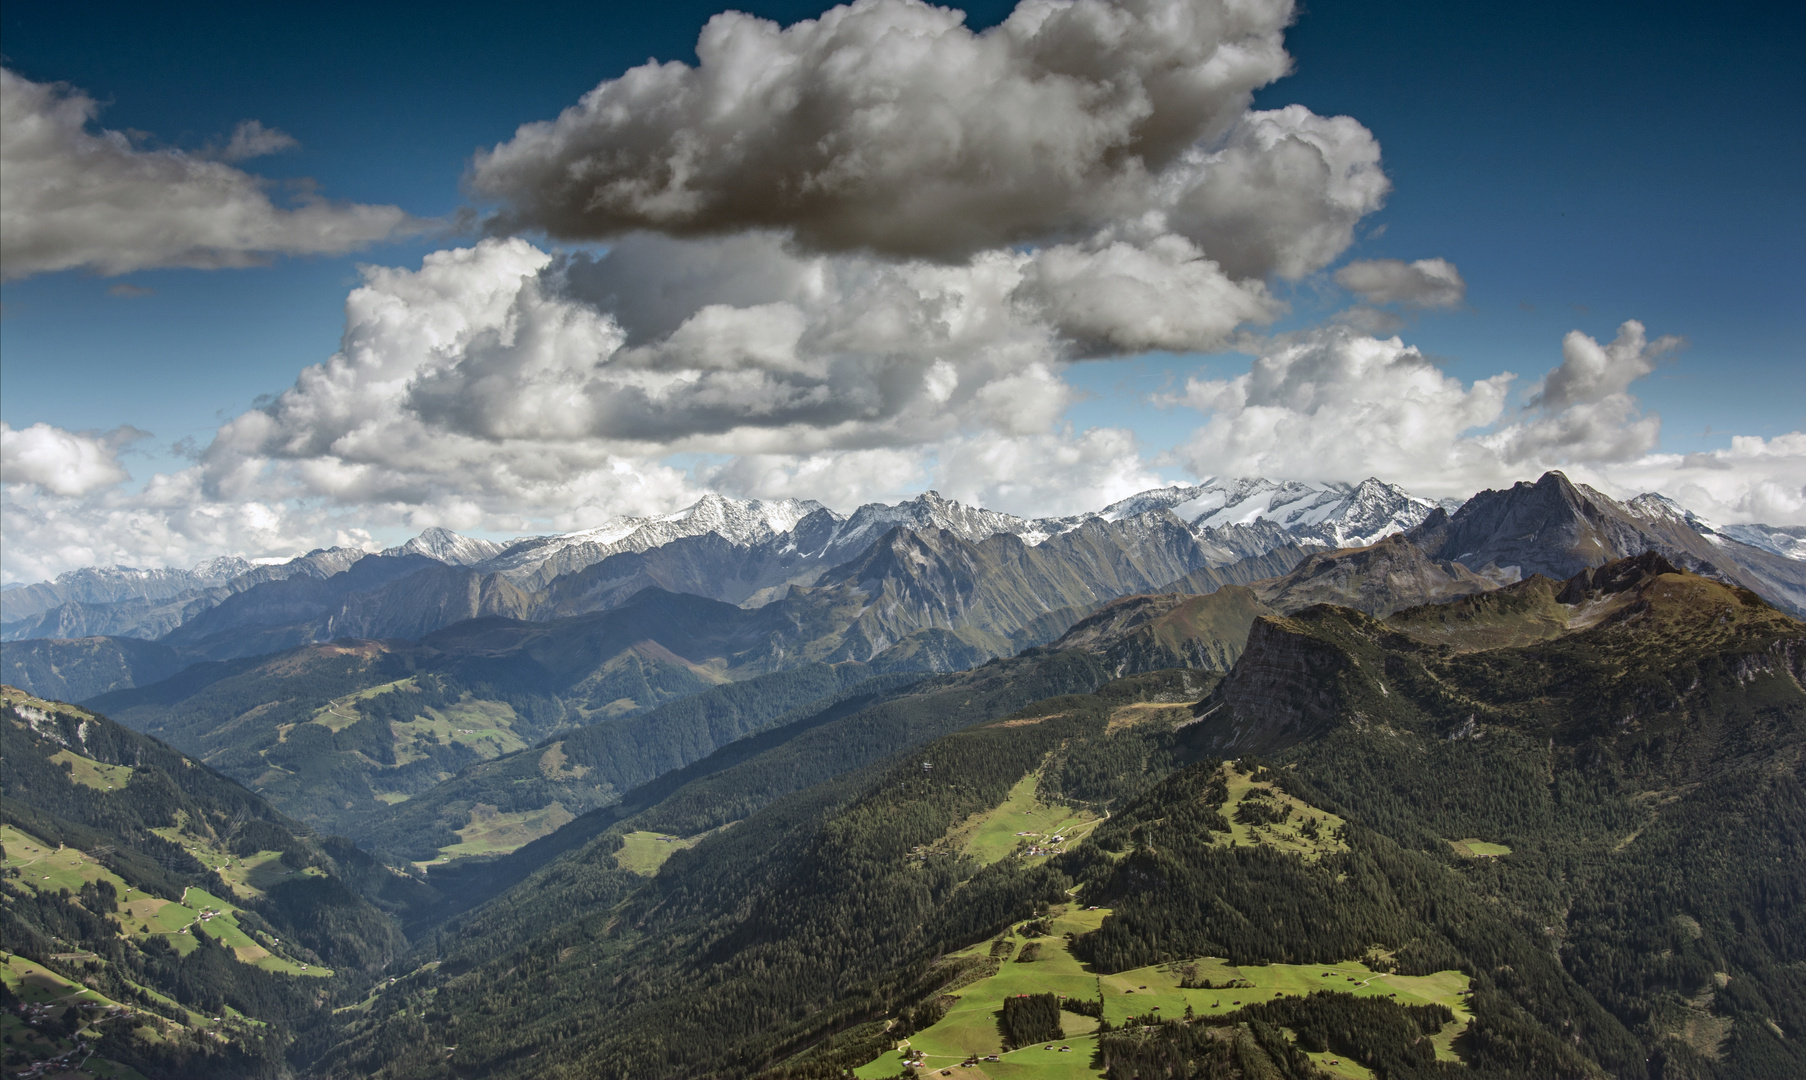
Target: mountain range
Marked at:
1237, 780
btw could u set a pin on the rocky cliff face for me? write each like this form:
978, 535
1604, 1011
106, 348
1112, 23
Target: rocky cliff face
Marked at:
1557, 528
1378, 580
1289, 684
1145, 633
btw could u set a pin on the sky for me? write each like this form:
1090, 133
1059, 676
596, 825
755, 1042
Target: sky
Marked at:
274, 281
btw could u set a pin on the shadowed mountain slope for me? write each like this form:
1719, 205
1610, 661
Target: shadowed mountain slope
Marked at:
1556, 528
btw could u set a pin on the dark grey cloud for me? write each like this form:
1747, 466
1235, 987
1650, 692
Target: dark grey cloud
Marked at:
71, 197
889, 126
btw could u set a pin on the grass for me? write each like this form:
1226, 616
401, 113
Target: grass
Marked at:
992, 835
1284, 836
1147, 712
644, 852
1473, 848
491, 832
485, 726
341, 713
970, 1026
45, 868
38, 985
91, 773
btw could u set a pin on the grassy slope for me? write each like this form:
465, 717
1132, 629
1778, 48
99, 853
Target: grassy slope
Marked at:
44, 867
970, 1026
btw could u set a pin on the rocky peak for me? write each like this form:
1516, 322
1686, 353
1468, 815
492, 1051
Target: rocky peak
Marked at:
446, 546
1620, 576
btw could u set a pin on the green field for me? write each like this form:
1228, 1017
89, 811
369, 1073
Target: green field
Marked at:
1023, 819
44, 867
485, 726
91, 773
1285, 835
491, 832
1473, 848
38, 985
341, 713
970, 1026
644, 852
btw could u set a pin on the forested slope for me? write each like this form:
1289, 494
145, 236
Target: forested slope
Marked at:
209, 930
1597, 824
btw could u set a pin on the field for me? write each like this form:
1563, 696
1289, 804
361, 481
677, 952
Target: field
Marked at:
1021, 821
970, 1026
42, 867
1473, 848
39, 986
485, 726
491, 832
644, 852
1286, 835
91, 773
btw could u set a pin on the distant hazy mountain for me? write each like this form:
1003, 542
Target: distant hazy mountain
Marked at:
751, 553
449, 548
127, 602
110, 584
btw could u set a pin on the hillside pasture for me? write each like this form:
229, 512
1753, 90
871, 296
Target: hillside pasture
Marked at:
1019, 821
970, 1027
644, 852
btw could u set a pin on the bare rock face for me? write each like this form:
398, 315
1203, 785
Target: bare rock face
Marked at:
1388, 576
1146, 633
1614, 577
1550, 527
1557, 528
1287, 686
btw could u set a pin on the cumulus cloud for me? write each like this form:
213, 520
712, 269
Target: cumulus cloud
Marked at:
1118, 297
1591, 372
888, 126
1336, 403
1753, 479
490, 366
71, 197
1426, 283
501, 387
1333, 403
1583, 409
1283, 195
63, 462
170, 522
251, 139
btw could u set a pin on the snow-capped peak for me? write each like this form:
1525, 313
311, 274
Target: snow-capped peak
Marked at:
1787, 541
448, 547
931, 509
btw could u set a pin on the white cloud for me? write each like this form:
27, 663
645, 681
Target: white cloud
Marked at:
170, 523
1333, 403
63, 462
74, 198
1117, 297
889, 126
1583, 411
251, 139
1282, 195
1752, 480
1591, 372
1425, 283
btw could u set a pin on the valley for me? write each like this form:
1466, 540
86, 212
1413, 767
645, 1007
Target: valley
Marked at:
1353, 812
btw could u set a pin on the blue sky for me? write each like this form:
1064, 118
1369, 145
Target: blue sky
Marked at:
1580, 164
